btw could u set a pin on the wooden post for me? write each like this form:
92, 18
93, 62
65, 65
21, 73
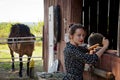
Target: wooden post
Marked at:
118, 37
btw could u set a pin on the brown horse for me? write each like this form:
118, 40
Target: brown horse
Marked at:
20, 44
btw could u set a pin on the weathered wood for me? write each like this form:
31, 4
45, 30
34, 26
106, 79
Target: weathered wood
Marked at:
75, 11
68, 15
45, 40
104, 74
118, 37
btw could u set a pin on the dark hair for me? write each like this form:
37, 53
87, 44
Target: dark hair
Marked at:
74, 27
95, 38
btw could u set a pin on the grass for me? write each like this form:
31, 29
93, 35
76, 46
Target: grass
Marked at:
7, 74
5, 64
5, 53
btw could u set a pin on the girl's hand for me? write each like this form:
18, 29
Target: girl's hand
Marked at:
93, 46
91, 52
94, 50
105, 43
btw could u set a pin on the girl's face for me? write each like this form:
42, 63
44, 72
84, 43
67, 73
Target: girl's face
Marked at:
78, 37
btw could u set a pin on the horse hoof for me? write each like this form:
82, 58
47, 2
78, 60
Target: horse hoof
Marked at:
20, 75
28, 74
13, 70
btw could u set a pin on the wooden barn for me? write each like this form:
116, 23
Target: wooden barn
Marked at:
101, 16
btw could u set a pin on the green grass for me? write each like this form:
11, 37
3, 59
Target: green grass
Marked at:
5, 53
6, 73
5, 64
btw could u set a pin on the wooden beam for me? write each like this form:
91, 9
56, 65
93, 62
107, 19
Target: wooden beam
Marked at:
118, 37
45, 39
104, 74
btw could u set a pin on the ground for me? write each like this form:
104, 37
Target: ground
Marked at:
7, 74
5, 64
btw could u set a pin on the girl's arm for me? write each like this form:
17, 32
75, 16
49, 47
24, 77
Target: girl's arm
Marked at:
105, 43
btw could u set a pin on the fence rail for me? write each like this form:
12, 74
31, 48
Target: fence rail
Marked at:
21, 57
19, 40
1, 62
18, 58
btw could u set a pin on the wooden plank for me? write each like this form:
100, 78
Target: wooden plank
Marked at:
105, 62
118, 40
51, 37
76, 11
113, 23
104, 74
103, 17
45, 40
64, 20
116, 69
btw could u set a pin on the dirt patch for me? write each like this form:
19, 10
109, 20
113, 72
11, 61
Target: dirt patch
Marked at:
14, 76
7, 74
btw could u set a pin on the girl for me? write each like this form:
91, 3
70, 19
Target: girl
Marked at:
76, 56
96, 38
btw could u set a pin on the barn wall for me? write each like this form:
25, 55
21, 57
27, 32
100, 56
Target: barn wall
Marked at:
71, 12
68, 16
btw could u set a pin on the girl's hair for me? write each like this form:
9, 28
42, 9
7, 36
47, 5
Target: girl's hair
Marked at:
74, 27
95, 38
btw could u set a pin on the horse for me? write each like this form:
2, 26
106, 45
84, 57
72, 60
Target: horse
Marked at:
18, 43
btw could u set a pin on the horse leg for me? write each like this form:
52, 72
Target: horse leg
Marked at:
21, 66
12, 56
28, 69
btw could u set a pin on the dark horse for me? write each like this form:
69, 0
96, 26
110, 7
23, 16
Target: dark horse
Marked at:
18, 32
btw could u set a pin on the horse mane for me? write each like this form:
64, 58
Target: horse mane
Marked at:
19, 30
